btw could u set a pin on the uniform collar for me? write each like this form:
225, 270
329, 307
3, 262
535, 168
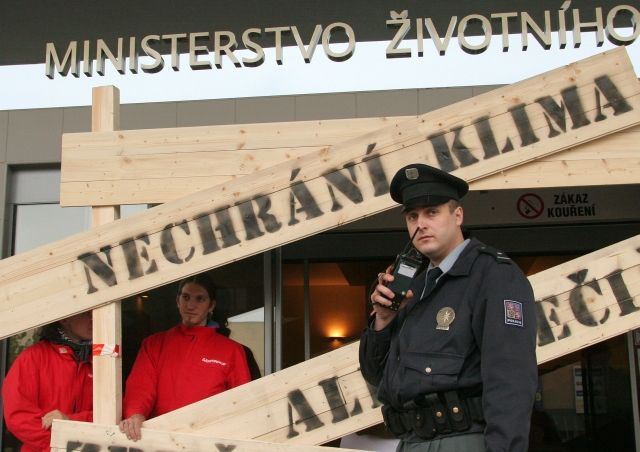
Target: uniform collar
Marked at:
451, 258
464, 261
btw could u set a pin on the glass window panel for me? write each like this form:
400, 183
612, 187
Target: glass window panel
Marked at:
584, 401
39, 224
338, 305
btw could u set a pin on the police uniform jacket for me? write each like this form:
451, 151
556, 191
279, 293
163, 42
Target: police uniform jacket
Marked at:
490, 344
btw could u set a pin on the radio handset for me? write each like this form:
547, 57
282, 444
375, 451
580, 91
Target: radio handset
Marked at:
405, 268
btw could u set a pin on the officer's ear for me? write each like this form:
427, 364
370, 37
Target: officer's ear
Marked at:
459, 213
456, 209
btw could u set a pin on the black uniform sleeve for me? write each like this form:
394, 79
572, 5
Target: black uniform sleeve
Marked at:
374, 349
505, 328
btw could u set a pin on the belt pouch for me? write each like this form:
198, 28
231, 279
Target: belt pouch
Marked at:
474, 404
438, 412
423, 424
458, 418
393, 420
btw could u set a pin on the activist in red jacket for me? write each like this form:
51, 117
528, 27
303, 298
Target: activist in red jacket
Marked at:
183, 365
50, 380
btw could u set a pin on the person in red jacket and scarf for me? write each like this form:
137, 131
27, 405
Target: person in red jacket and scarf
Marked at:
50, 380
183, 365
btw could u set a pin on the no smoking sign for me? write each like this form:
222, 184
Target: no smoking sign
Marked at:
530, 206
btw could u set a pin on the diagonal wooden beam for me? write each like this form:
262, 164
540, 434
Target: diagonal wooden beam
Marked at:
611, 160
70, 436
514, 125
579, 303
128, 169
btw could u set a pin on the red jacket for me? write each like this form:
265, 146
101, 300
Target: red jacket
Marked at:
181, 366
43, 378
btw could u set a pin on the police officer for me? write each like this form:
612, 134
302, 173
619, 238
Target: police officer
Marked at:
454, 362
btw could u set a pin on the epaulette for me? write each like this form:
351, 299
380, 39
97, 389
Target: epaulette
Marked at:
498, 255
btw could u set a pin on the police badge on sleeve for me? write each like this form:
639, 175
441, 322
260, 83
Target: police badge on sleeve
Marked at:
513, 313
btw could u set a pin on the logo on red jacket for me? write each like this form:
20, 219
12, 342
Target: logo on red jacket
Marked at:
213, 361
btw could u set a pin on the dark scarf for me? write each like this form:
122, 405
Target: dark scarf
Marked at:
81, 349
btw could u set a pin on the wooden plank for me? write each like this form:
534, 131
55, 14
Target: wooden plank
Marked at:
70, 436
316, 192
231, 137
180, 165
128, 170
292, 405
107, 324
579, 303
588, 300
199, 157
107, 369
611, 160
572, 172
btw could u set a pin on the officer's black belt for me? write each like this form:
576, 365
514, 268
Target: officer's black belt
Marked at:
437, 413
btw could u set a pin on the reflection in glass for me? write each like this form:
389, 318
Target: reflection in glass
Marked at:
337, 304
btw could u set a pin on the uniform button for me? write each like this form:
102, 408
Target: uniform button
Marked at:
428, 370
455, 409
439, 414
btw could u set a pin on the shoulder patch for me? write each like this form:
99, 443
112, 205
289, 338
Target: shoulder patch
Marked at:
513, 314
498, 255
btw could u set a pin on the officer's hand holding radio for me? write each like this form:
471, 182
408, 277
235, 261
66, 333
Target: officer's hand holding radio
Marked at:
392, 290
382, 300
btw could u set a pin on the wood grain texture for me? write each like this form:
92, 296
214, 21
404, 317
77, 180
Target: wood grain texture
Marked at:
316, 192
70, 436
145, 179
107, 325
581, 302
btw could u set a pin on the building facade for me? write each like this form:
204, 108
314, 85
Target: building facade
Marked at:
587, 400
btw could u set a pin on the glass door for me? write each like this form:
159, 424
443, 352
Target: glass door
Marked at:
324, 304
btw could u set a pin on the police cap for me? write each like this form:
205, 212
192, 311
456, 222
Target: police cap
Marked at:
420, 185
